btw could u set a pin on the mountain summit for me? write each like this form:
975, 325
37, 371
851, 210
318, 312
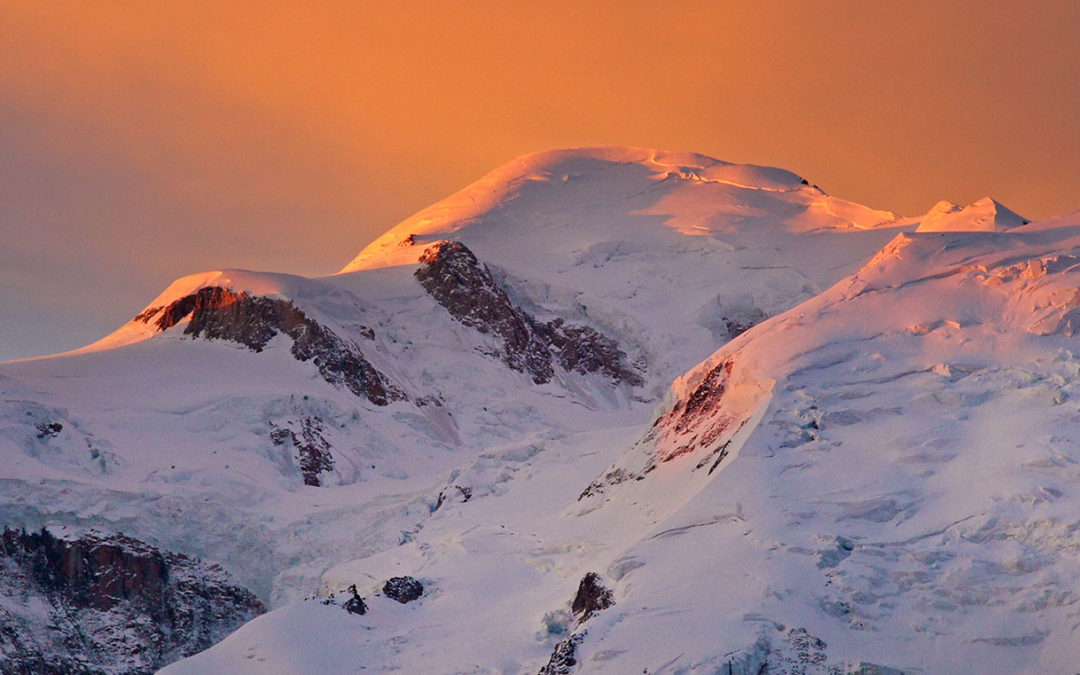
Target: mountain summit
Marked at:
559, 199
985, 215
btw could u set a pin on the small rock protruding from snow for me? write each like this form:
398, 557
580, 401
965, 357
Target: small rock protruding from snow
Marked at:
403, 589
48, 429
355, 604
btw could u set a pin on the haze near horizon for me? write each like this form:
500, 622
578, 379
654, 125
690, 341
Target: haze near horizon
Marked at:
142, 143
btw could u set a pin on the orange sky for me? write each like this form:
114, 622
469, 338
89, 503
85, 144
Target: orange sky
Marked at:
143, 141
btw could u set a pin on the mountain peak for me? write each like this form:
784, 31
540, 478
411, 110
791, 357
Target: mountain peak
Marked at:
984, 215
573, 198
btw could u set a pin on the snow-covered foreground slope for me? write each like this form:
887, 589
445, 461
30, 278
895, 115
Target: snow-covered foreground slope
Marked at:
896, 486
879, 474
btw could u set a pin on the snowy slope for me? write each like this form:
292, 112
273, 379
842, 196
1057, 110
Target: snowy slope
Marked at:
900, 494
906, 496
477, 415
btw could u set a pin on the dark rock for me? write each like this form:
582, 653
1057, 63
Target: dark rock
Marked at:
564, 656
584, 350
48, 429
147, 314
707, 395
797, 651
219, 314
452, 275
696, 423
116, 605
355, 604
464, 286
809, 646
403, 589
717, 455
613, 477
313, 450
699, 421
446, 495
736, 327
591, 597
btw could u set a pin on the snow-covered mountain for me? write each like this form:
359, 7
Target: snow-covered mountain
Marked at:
514, 401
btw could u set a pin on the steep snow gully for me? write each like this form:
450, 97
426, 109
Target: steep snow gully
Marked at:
606, 410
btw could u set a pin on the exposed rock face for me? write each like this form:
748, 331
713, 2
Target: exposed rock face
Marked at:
452, 275
313, 450
403, 589
564, 656
591, 597
109, 605
464, 494
219, 314
700, 420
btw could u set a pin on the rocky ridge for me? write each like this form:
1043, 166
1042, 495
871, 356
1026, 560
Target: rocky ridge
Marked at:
464, 286
108, 604
220, 314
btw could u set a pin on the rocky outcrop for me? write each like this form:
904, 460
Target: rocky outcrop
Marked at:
564, 657
703, 422
108, 604
591, 597
464, 286
699, 421
220, 314
313, 454
403, 589
48, 429
354, 604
